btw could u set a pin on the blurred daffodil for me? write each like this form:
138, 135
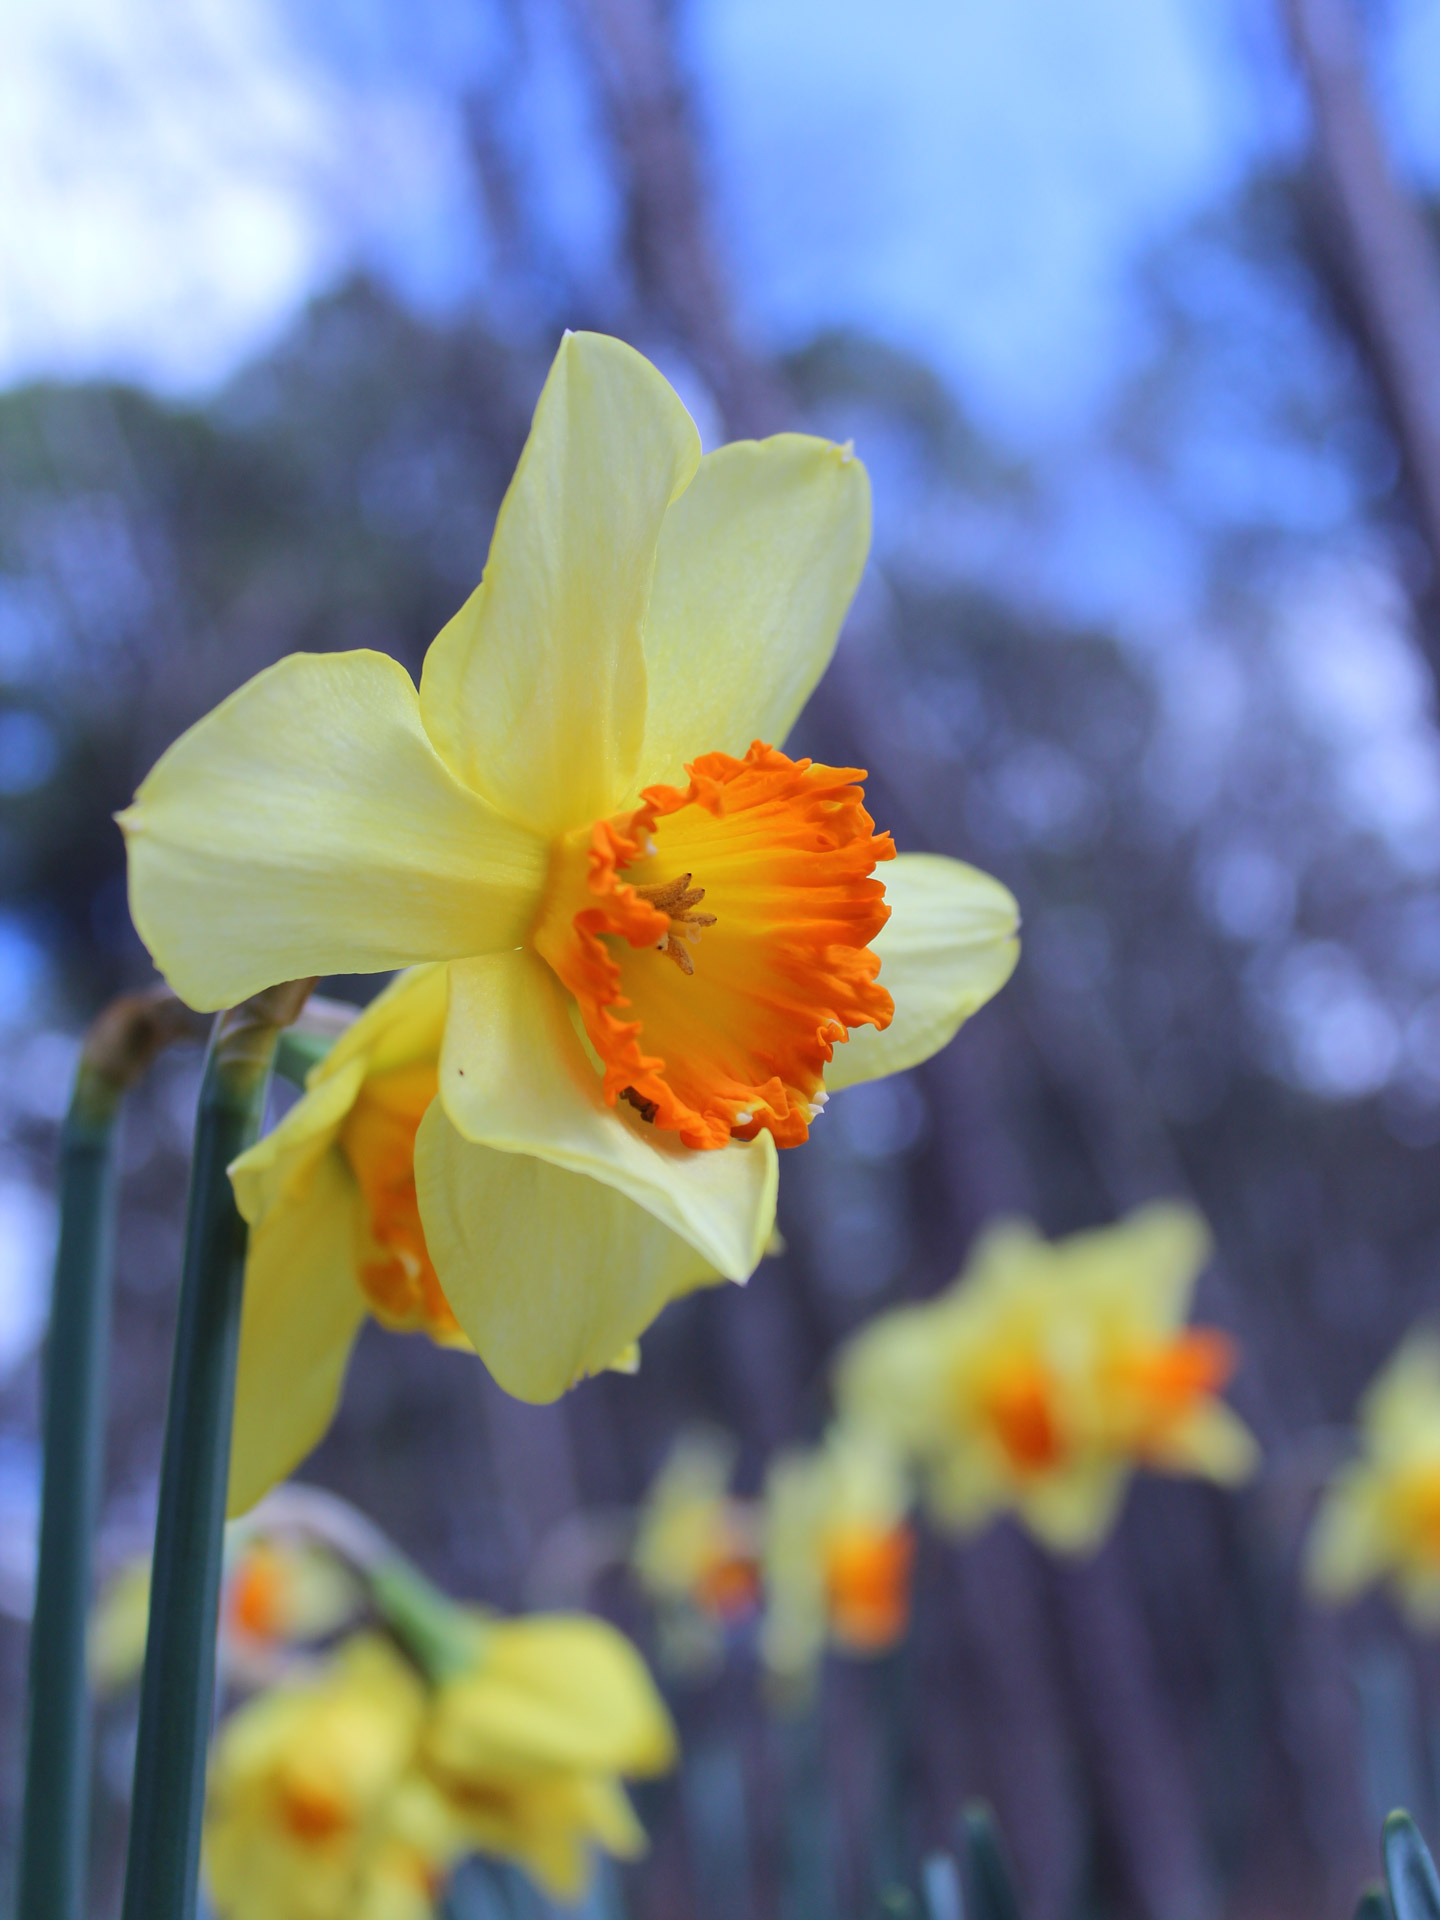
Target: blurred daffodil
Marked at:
304, 1816
1379, 1518
663, 937
837, 1554
696, 1550
528, 1745
1049, 1371
278, 1593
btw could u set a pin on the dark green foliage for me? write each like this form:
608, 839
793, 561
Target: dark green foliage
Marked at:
989, 1880
55, 1830
1409, 1871
178, 1688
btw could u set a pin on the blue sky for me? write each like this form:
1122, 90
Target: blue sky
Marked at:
974, 181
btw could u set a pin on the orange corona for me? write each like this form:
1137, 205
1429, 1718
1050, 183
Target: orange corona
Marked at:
395, 1268
867, 1582
716, 941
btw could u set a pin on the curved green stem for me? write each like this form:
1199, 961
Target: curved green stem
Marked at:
178, 1689
55, 1823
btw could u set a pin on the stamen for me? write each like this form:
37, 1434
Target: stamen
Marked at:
679, 899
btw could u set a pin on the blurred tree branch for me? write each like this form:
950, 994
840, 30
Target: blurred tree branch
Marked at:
1379, 244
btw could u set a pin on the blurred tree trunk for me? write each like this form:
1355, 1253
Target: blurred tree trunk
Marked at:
672, 255
1379, 249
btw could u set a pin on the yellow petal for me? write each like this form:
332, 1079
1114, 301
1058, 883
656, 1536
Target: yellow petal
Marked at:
307, 826
1211, 1440
554, 1691
402, 1025
282, 1165
535, 691
550, 1273
514, 1075
1349, 1545
1146, 1265
1072, 1510
303, 1308
948, 946
759, 560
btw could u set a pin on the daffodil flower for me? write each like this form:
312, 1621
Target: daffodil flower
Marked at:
696, 1551
837, 1553
527, 1749
1379, 1517
1049, 1372
303, 1795
664, 940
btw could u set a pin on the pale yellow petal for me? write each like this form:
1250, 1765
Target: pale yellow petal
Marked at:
550, 1273
1145, 1266
281, 1166
759, 560
1072, 1510
535, 691
555, 1691
949, 946
513, 1075
1349, 1545
302, 1310
1214, 1441
307, 826
402, 1025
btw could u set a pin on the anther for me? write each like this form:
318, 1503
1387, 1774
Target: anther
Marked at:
678, 899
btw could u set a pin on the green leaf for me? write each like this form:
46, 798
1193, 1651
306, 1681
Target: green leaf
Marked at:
1409, 1870
1374, 1903
989, 1882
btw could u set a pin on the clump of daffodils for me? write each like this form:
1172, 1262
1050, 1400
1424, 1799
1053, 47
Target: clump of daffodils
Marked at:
644, 943
1048, 1372
837, 1554
1379, 1517
696, 1551
352, 1789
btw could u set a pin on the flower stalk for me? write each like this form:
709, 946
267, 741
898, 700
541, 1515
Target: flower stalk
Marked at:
117, 1051
177, 1691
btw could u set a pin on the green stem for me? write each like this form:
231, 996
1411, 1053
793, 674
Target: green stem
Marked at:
178, 1689
55, 1824
441, 1637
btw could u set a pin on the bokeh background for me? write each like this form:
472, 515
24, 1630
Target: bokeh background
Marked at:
1131, 308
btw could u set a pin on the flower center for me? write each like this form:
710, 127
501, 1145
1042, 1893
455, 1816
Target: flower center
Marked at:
719, 1022
314, 1811
867, 1585
1018, 1406
258, 1594
378, 1140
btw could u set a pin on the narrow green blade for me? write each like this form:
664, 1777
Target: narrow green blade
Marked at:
1409, 1870
55, 1825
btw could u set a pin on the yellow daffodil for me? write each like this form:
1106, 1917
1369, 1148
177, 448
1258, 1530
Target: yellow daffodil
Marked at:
277, 1593
304, 1818
664, 939
837, 1553
1379, 1518
1048, 1372
528, 1746
694, 1541
696, 1551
